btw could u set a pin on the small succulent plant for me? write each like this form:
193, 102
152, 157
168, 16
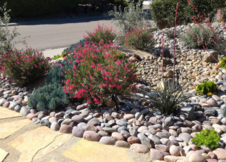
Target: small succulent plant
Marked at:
50, 97
207, 88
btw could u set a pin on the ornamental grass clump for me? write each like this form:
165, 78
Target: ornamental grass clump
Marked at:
24, 66
101, 34
207, 88
140, 38
49, 97
167, 97
99, 73
209, 138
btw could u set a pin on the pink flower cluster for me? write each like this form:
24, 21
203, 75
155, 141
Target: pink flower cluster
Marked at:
99, 73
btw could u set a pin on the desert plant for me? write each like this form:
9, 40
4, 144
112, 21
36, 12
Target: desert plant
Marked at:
7, 36
170, 34
206, 87
99, 73
102, 35
198, 37
140, 38
209, 138
24, 66
167, 97
57, 74
49, 97
133, 17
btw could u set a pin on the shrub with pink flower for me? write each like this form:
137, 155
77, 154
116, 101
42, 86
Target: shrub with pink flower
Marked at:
98, 74
139, 38
24, 66
101, 35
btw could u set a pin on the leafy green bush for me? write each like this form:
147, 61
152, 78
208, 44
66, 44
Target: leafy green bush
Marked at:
101, 35
121, 55
57, 73
35, 8
50, 97
7, 36
99, 73
140, 38
163, 11
207, 88
197, 37
133, 17
222, 63
73, 46
167, 97
209, 138
24, 66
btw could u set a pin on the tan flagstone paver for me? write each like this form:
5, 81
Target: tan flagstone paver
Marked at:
32, 141
52, 161
3, 154
60, 140
6, 113
86, 151
11, 127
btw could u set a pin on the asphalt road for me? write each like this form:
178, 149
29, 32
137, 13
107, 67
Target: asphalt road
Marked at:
58, 33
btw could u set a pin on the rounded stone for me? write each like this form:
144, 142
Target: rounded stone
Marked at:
133, 139
77, 118
65, 129
91, 136
174, 150
123, 144
196, 157
139, 148
107, 140
31, 115
117, 136
55, 126
77, 132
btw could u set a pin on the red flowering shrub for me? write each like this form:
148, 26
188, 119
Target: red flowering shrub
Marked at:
139, 38
24, 66
99, 73
102, 35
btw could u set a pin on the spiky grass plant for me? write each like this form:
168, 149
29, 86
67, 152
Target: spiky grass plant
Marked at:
167, 96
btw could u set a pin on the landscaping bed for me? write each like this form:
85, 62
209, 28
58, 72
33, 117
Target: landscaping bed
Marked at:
161, 93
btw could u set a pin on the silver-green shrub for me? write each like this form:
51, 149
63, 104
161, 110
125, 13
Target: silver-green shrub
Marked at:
133, 17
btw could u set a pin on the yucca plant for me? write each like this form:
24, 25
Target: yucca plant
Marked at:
167, 96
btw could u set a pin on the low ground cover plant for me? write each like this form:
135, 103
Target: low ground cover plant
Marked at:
209, 138
99, 73
24, 66
199, 38
207, 88
140, 38
222, 63
101, 35
73, 46
49, 97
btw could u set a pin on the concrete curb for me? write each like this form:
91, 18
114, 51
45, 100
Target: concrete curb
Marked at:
9, 24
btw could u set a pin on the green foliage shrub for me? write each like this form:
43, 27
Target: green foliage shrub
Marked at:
57, 73
24, 66
207, 87
209, 138
167, 97
133, 17
222, 63
140, 38
101, 35
38, 8
163, 11
99, 74
197, 37
50, 97
7, 36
